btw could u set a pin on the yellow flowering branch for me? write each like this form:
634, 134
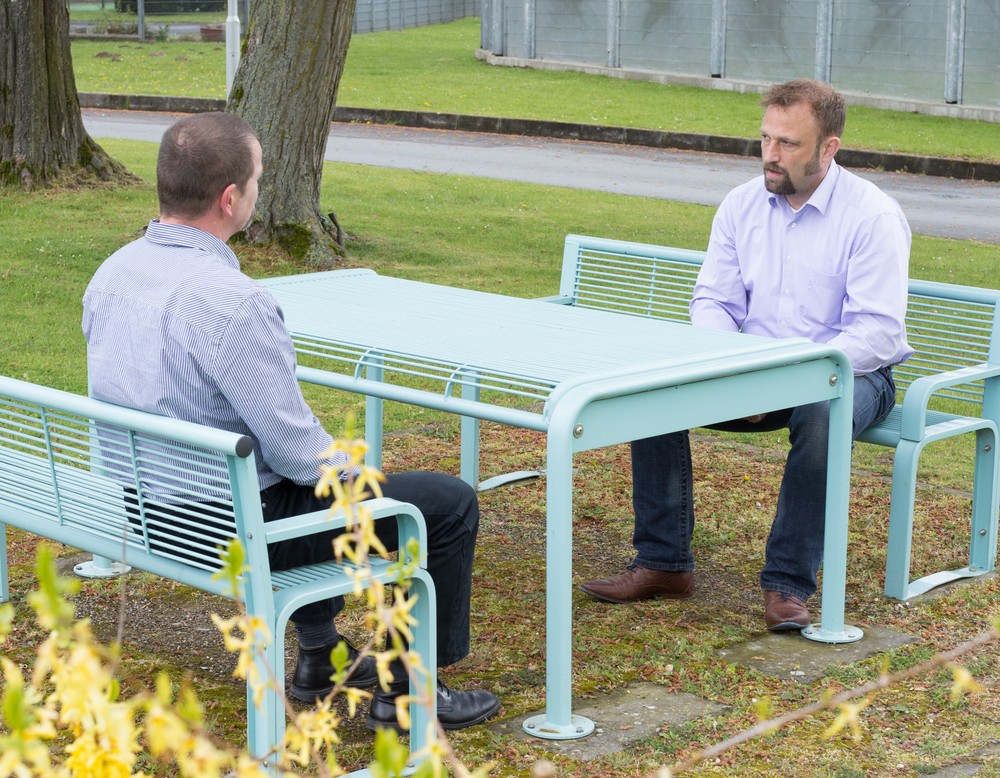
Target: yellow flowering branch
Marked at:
106, 733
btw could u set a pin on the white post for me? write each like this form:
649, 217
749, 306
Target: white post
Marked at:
232, 45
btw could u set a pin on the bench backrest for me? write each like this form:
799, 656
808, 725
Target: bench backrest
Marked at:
949, 326
159, 494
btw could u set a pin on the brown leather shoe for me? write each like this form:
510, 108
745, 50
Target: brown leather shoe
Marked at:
783, 613
640, 583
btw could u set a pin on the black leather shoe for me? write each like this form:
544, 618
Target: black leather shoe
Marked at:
455, 709
313, 672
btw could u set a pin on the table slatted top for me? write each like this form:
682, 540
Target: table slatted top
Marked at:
449, 337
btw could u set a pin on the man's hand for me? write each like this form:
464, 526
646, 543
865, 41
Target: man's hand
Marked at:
757, 418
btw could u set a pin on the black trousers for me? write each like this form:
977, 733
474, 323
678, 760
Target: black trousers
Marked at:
451, 512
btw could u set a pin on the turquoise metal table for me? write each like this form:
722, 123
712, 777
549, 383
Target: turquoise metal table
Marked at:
585, 378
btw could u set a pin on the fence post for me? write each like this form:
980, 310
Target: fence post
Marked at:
954, 62
717, 55
824, 40
614, 33
529, 29
232, 45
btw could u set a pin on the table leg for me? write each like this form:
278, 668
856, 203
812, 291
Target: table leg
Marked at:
470, 439
374, 418
558, 721
831, 628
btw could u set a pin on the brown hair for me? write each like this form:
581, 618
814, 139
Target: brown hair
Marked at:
199, 157
826, 103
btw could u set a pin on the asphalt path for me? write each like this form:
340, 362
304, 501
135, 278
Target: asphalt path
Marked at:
942, 207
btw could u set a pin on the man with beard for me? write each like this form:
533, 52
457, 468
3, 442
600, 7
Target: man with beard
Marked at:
806, 250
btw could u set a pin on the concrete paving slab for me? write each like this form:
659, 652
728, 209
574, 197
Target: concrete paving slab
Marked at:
788, 655
985, 755
622, 717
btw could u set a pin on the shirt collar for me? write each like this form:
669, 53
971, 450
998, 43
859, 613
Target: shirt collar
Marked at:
183, 236
820, 199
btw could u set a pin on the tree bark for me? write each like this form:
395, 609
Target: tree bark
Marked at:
286, 88
42, 139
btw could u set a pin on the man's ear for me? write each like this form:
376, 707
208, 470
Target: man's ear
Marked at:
831, 147
227, 198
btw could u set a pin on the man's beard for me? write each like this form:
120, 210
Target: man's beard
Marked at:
781, 186
784, 185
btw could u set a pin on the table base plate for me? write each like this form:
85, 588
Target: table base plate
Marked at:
537, 726
848, 634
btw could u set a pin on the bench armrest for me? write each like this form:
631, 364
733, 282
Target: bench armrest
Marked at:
920, 392
409, 522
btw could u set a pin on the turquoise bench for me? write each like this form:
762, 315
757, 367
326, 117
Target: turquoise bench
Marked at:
133, 487
955, 331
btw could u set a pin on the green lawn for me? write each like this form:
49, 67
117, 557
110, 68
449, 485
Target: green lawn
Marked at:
508, 239
435, 69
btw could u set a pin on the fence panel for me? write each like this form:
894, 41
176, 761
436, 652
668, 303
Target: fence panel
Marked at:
672, 35
894, 47
982, 65
771, 40
572, 30
936, 51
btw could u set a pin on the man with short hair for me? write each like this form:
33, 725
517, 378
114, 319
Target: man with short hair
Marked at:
173, 327
806, 250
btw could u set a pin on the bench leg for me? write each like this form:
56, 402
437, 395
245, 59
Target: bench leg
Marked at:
266, 719
985, 503
425, 643
4, 583
985, 508
904, 489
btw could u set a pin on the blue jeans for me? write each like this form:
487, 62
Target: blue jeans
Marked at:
451, 512
663, 493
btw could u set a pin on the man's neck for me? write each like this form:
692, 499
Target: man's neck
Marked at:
205, 223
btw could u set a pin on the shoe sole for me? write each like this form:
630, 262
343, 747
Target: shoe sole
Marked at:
786, 626
605, 598
311, 695
373, 725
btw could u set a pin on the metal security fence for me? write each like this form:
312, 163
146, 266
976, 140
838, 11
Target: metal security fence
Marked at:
369, 15
382, 15
929, 50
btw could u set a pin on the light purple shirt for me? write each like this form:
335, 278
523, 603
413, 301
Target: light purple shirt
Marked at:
834, 272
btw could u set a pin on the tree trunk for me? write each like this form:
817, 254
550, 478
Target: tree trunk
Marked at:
42, 139
286, 88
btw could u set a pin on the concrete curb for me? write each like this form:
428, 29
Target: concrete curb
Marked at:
854, 158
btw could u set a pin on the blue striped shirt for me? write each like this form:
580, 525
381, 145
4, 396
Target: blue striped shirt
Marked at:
173, 327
